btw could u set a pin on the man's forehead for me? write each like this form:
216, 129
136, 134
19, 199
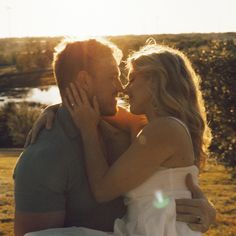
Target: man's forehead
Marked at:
108, 64
108, 60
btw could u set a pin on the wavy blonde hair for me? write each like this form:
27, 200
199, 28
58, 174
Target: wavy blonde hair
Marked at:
176, 90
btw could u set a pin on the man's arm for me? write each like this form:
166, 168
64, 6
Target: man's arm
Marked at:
39, 195
29, 222
198, 212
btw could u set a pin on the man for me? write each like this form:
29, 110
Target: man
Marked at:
51, 186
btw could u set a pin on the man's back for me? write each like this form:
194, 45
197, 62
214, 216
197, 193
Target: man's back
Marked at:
50, 176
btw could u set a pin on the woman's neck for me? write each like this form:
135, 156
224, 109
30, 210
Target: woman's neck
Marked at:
152, 114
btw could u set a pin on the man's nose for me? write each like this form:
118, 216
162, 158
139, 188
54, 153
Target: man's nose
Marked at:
118, 86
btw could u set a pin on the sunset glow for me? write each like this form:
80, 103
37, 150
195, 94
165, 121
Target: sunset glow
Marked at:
114, 17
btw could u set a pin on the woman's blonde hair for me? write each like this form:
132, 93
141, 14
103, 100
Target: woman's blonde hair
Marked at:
176, 91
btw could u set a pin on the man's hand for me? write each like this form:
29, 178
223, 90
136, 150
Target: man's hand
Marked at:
45, 120
198, 212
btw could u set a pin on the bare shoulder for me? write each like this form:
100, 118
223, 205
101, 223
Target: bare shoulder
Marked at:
164, 129
165, 125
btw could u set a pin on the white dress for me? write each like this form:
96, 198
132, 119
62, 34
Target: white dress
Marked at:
150, 209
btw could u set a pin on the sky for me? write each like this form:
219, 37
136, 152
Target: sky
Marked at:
20, 18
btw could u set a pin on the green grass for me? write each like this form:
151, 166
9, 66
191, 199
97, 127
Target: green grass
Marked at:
216, 182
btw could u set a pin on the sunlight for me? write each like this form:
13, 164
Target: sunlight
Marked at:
114, 17
44, 96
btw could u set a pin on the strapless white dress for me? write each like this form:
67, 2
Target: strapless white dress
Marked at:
150, 209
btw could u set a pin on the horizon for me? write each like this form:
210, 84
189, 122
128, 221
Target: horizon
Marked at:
50, 18
120, 35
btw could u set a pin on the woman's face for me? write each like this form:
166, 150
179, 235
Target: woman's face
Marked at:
139, 91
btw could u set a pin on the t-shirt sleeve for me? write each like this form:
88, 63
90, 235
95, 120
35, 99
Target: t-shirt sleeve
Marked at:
40, 178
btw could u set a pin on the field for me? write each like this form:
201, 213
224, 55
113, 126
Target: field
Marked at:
216, 182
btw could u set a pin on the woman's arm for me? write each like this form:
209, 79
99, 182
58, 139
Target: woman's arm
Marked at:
116, 141
138, 163
127, 121
133, 167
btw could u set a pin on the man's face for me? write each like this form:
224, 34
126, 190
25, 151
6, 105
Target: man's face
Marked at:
106, 85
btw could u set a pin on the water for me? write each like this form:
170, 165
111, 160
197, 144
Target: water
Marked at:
44, 95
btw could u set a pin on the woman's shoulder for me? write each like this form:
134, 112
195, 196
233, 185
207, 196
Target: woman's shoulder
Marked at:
166, 124
165, 128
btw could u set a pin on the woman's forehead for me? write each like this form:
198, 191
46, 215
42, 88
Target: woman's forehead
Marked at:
135, 73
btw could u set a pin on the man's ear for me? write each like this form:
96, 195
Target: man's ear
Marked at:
84, 81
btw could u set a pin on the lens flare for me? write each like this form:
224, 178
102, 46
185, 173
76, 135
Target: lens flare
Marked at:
142, 139
161, 200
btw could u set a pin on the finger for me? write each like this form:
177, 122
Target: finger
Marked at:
70, 99
75, 94
50, 121
84, 96
66, 102
189, 202
96, 105
28, 138
195, 190
35, 131
186, 218
198, 227
188, 210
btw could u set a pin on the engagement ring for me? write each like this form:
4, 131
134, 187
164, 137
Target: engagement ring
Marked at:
199, 220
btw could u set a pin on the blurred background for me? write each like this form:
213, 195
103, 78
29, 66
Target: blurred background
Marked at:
205, 30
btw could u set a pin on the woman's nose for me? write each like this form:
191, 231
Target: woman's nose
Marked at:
126, 88
118, 86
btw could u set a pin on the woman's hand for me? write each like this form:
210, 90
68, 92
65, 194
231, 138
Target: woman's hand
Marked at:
84, 115
45, 120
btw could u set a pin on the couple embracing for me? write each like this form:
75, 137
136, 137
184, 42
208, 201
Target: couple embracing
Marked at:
103, 170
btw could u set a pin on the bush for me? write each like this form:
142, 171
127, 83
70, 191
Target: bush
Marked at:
16, 119
217, 66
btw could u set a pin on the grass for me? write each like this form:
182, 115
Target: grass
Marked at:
6, 194
216, 182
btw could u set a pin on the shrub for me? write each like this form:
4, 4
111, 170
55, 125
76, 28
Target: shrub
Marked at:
16, 121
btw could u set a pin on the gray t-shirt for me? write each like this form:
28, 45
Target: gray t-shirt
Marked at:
50, 176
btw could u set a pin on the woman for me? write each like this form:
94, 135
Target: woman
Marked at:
151, 173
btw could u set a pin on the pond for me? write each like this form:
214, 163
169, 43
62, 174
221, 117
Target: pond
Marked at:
45, 95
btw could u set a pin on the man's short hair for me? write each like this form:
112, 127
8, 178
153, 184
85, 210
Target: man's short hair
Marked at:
71, 57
